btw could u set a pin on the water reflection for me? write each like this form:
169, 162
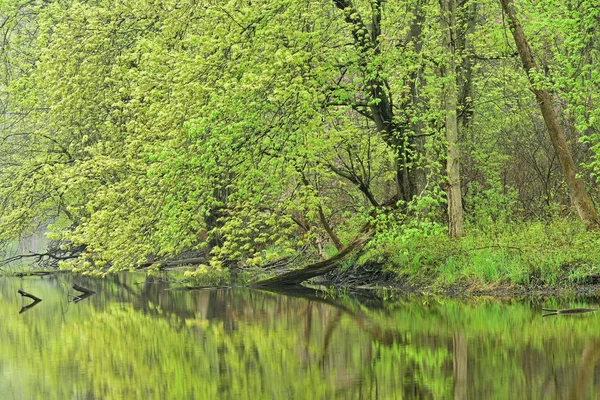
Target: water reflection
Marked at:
35, 299
133, 339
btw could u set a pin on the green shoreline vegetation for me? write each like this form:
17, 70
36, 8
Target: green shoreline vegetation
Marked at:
442, 143
535, 255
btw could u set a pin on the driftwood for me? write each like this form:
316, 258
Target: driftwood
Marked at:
86, 293
82, 289
32, 297
35, 299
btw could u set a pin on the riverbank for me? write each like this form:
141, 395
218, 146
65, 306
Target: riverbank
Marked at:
557, 256
387, 284
371, 279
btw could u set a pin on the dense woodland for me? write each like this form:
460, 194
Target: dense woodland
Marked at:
454, 139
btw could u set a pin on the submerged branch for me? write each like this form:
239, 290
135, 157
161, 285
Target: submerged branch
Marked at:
32, 297
41, 273
35, 299
86, 293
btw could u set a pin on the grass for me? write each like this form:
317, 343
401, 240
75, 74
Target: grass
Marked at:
550, 254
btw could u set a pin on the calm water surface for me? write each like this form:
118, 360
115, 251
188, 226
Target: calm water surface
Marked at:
135, 340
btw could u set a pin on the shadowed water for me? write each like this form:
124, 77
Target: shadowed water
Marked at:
135, 340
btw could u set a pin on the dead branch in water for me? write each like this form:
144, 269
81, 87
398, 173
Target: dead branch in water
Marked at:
82, 289
32, 297
41, 273
35, 299
86, 293
38, 257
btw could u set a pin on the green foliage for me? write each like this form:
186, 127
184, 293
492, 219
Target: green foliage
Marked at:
252, 131
492, 207
525, 254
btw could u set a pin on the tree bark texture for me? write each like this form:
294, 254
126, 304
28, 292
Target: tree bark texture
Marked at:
580, 198
455, 210
416, 84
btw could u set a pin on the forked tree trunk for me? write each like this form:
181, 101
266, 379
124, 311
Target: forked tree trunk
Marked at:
580, 198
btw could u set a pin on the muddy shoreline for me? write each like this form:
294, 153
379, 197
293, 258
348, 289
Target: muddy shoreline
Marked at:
380, 283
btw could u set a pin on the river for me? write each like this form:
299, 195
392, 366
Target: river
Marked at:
133, 339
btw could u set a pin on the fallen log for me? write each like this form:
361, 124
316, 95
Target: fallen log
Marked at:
40, 273
200, 288
297, 276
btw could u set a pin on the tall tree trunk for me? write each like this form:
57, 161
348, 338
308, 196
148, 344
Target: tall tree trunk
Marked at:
455, 211
416, 83
580, 198
466, 17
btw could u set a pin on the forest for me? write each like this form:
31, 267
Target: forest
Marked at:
448, 142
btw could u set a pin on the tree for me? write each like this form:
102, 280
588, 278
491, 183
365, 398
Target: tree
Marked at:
581, 200
449, 32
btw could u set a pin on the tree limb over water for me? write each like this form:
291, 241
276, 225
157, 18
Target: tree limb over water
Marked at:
38, 257
298, 276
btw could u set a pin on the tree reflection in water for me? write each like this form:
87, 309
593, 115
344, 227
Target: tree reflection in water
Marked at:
133, 339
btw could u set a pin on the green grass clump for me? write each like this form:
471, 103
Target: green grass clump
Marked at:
558, 252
